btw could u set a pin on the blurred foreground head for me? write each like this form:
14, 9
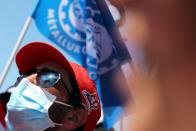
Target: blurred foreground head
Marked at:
166, 97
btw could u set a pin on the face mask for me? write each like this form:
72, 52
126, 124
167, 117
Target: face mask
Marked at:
27, 109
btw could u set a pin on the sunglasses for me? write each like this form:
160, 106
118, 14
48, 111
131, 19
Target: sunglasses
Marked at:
47, 78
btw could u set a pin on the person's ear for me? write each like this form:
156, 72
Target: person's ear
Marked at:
75, 118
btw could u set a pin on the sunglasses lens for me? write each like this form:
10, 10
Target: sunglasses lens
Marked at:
47, 79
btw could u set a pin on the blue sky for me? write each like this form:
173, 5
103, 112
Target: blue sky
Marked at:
12, 19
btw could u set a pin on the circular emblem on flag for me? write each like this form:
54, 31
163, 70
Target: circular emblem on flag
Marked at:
72, 19
78, 21
78, 27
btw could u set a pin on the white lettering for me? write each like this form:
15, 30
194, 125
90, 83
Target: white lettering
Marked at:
55, 33
51, 13
93, 75
84, 50
77, 49
89, 63
64, 42
60, 38
70, 46
52, 24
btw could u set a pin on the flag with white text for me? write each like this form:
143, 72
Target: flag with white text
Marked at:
85, 32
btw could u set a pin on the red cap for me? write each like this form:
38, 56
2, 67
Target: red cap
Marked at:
37, 53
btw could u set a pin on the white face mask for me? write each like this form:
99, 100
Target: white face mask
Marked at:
27, 109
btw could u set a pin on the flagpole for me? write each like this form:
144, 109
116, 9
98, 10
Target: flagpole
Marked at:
16, 47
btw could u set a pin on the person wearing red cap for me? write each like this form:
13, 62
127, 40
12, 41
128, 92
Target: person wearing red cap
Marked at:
51, 93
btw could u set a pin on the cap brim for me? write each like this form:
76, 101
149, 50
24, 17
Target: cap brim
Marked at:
37, 53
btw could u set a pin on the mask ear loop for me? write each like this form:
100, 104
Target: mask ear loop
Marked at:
64, 104
57, 124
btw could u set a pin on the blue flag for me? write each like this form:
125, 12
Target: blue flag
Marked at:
86, 31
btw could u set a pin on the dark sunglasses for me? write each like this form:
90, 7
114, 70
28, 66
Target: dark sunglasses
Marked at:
48, 78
